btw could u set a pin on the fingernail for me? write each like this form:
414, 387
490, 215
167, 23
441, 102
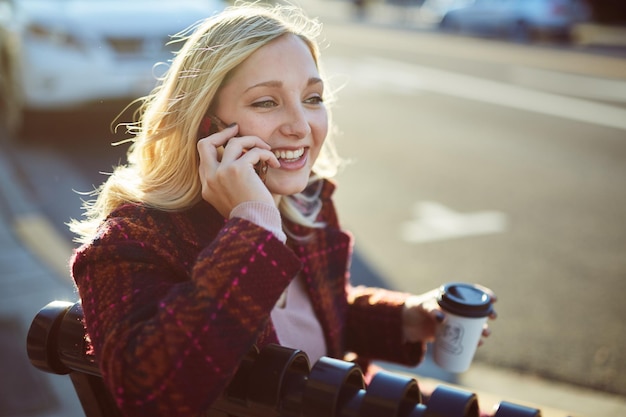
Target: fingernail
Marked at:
439, 316
233, 124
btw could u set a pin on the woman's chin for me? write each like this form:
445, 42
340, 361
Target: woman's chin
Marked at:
287, 186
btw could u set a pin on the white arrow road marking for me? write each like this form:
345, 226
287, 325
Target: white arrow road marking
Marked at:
433, 222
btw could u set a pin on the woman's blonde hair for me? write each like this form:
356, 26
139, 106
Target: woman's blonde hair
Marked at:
162, 168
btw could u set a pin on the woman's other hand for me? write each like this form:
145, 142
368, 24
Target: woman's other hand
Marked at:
422, 314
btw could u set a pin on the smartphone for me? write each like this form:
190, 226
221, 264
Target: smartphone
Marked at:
212, 124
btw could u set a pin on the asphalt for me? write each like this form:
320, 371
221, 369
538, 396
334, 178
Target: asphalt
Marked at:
33, 272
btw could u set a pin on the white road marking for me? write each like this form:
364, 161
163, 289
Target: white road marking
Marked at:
405, 78
45, 242
575, 85
435, 222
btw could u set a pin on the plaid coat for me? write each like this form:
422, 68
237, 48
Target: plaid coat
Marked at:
174, 300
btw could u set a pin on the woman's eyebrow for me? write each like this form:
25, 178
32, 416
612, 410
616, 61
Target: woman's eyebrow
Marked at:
273, 84
315, 80
278, 84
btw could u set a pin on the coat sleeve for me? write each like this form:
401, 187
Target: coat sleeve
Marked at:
170, 336
374, 326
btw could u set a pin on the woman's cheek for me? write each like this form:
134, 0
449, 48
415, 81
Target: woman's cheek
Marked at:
321, 130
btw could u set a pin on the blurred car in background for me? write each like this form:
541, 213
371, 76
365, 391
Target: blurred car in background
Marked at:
519, 20
433, 11
58, 54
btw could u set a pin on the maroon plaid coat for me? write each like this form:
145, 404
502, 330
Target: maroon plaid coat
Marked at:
174, 300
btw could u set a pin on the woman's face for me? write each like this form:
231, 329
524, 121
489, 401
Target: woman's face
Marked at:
276, 94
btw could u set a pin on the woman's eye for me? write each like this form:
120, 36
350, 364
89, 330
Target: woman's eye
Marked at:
314, 100
264, 104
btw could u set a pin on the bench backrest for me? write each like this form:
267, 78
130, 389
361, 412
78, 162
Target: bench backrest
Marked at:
275, 381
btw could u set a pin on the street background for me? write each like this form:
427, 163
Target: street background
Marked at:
470, 160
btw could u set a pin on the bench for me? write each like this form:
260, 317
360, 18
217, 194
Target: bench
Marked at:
271, 382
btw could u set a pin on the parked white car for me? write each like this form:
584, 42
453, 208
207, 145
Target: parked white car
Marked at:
520, 20
57, 54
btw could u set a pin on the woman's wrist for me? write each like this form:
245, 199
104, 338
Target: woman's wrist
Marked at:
262, 214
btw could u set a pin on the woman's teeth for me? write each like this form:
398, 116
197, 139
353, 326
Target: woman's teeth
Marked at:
289, 154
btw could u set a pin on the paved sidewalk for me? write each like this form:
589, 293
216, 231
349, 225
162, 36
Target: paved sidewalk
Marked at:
26, 285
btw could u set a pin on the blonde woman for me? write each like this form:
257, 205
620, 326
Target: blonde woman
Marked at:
220, 232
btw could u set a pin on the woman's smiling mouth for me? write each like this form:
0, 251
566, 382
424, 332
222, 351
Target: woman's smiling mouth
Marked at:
289, 155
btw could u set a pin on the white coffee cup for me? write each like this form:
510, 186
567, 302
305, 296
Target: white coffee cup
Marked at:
467, 308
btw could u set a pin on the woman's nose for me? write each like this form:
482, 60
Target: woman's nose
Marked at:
296, 123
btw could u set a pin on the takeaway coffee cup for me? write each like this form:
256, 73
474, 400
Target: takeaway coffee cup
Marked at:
467, 307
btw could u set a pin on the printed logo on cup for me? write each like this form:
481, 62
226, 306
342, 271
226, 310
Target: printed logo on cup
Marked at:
451, 338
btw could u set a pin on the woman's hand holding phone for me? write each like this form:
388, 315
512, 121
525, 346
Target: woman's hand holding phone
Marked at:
227, 169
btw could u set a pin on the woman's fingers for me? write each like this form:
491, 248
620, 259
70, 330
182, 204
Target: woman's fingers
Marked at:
210, 148
220, 138
249, 149
224, 148
485, 333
